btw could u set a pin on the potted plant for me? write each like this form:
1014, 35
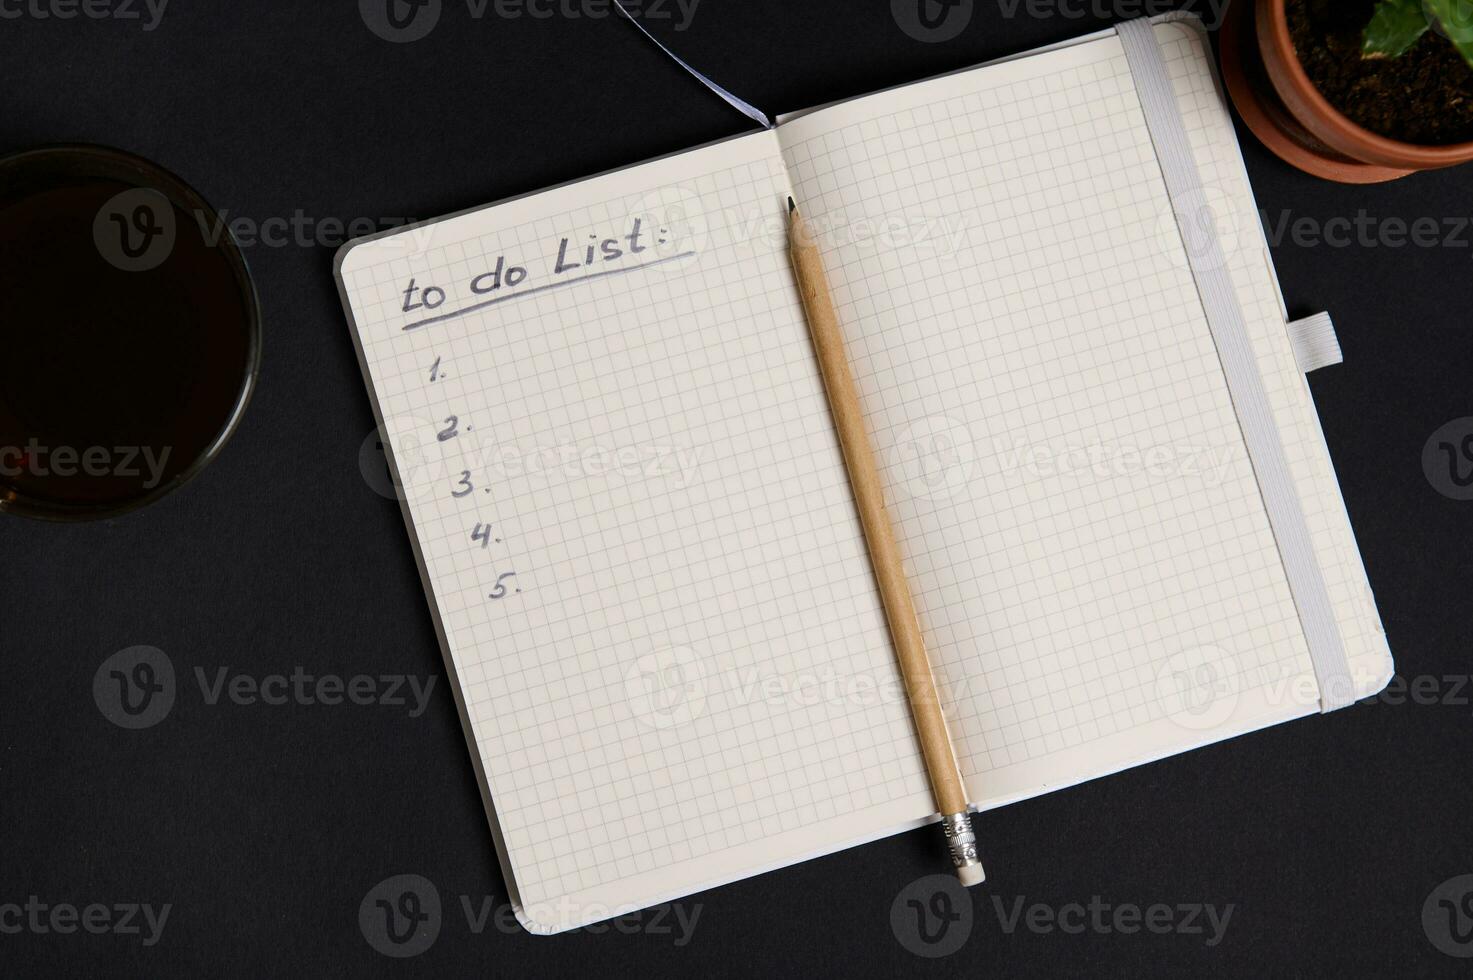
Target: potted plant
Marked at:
1358, 91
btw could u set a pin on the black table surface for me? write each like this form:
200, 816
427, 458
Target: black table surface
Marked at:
263, 828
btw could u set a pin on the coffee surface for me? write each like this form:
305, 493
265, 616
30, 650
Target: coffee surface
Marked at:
125, 340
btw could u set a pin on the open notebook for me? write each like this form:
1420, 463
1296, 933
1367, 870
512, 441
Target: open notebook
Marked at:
635, 527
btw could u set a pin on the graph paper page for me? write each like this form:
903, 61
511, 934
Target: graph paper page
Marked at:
632, 513
1092, 560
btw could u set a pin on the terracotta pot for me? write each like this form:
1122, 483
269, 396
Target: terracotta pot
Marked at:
1282, 107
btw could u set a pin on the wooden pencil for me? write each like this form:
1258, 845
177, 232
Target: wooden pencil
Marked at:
879, 535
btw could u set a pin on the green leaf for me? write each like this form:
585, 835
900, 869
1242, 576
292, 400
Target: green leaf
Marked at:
1395, 26
1465, 48
1454, 21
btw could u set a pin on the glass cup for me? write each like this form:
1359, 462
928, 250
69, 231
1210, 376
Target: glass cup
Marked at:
130, 333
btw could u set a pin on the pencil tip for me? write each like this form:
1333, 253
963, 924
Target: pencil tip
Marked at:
792, 206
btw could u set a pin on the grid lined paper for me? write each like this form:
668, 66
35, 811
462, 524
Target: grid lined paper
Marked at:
654, 457
1080, 518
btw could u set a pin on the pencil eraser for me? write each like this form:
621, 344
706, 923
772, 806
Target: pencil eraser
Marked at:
971, 874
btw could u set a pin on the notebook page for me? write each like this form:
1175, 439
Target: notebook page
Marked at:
1091, 556
631, 512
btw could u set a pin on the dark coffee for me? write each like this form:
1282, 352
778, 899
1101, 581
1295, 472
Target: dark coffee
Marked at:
128, 333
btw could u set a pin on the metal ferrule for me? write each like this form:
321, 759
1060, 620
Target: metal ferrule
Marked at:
960, 840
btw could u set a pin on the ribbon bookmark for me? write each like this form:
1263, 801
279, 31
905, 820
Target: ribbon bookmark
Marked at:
1240, 367
740, 105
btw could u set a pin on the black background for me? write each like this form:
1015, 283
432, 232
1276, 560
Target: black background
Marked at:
265, 826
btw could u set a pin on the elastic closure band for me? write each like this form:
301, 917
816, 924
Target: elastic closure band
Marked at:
1230, 334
